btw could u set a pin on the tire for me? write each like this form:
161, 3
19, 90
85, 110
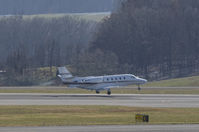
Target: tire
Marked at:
109, 92
97, 92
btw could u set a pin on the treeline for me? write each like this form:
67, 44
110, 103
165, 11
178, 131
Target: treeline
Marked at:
21, 7
41, 42
154, 38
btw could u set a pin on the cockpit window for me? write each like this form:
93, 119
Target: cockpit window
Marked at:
132, 76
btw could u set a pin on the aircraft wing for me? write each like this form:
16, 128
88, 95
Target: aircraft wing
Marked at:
104, 86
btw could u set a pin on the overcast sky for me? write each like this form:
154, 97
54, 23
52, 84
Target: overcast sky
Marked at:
54, 6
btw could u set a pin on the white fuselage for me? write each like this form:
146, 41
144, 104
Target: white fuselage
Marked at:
101, 83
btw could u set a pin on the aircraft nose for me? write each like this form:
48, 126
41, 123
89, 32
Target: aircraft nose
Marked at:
144, 81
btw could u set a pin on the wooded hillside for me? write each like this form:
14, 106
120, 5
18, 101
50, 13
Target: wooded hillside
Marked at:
158, 38
27, 44
155, 39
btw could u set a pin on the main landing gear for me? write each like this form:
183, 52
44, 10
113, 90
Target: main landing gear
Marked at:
97, 92
139, 88
109, 92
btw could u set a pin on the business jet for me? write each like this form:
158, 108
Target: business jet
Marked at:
99, 83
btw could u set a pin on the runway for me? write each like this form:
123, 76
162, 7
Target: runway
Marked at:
133, 128
136, 100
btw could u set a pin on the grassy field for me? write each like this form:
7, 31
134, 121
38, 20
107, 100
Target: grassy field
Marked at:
86, 16
92, 115
179, 82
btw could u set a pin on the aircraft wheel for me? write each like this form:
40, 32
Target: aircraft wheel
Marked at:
97, 92
139, 87
109, 92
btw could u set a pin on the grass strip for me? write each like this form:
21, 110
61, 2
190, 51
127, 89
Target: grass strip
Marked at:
92, 115
178, 82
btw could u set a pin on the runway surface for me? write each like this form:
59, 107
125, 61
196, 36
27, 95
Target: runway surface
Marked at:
133, 128
137, 100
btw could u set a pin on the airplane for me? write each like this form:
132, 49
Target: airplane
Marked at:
98, 83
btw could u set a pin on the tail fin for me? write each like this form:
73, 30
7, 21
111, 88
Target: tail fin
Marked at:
63, 73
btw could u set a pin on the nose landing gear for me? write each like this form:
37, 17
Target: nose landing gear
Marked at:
139, 88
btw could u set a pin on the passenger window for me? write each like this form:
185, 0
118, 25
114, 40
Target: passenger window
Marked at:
107, 79
124, 78
111, 78
120, 78
115, 78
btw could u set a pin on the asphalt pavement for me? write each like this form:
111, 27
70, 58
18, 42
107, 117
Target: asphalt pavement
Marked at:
135, 100
118, 128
